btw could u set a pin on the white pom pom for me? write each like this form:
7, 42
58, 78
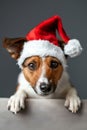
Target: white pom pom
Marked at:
73, 48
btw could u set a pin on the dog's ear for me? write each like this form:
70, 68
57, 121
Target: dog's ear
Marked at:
14, 46
61, 44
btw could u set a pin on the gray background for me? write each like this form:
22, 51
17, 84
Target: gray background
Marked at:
19, 16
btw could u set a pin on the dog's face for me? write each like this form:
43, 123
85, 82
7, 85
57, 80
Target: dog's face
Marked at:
42, 73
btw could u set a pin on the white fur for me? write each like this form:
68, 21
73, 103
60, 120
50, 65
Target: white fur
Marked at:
17, 101
40, 48
73, 48
42, 78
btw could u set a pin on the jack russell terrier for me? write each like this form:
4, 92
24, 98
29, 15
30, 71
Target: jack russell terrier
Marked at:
42, 58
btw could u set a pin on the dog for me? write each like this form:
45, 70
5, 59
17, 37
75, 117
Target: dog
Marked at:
42, 75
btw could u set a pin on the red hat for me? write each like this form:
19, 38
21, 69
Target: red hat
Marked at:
42, 41
47, 31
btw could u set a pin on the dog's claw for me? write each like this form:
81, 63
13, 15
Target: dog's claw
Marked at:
8, 107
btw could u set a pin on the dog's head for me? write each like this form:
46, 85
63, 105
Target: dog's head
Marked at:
42, 72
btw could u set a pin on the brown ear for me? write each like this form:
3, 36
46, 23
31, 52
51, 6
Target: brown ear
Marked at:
14, 46
61, 43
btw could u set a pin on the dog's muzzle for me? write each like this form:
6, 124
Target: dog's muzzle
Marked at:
45, 89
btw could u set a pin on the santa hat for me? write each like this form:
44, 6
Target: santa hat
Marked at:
42, 41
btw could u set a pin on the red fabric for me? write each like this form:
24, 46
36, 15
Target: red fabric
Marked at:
47, 31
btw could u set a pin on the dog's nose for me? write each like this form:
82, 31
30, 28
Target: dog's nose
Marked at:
45, 87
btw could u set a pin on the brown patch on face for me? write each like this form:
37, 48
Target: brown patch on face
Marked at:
32, 75
53, 73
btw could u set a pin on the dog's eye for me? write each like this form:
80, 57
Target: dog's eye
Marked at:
54, 64
32, 66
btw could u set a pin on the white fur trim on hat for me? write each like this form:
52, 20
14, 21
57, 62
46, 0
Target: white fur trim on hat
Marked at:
73, 48
41, 48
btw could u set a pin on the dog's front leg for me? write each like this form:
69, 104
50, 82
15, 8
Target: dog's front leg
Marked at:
17, 101
72, 101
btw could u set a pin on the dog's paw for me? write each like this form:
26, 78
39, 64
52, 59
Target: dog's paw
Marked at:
16, 103
73, 103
